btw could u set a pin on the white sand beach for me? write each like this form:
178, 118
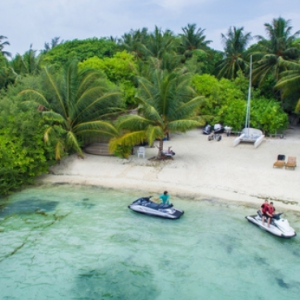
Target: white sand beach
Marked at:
200, 169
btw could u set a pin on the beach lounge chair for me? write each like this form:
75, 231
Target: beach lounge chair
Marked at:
291, 162
280, 162
141, 151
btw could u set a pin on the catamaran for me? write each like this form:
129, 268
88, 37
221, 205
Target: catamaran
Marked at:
248, 134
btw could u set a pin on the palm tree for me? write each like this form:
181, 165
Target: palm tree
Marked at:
235, 43
289, 82
159, 42
134, 40
167, 104
28, 63
54, 42
193, 39
76, 106
273, 51
2, 45
7, 74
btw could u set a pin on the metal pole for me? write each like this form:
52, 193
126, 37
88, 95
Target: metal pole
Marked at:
247, 122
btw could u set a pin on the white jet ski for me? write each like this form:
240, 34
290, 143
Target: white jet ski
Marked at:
145, 206
279, 227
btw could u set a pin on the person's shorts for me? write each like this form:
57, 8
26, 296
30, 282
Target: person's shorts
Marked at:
265, 215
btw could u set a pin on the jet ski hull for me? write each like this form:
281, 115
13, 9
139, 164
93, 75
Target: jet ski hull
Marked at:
145, 206
276, 227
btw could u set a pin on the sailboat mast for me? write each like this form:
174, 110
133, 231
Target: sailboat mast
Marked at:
247, 122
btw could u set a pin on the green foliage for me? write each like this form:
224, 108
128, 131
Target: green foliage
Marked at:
7, 74
79, 49
119, 69
227, 104
76, 106
167, 103
232, 114
220, 94
123, 151
2, 45
23, 154
26, 64
267, 115
235, 42
276, 50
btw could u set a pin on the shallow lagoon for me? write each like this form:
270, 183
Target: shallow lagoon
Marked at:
82, 242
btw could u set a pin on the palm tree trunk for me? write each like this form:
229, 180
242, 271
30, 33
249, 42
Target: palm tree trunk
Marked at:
160, 148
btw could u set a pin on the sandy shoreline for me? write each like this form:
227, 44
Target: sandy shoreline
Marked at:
200, 169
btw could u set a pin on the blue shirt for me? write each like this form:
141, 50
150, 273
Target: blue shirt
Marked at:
164, 198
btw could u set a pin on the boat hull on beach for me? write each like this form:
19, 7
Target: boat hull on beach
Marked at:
250, 135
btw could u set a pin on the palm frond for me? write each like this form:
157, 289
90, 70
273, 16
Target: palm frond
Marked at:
72, 143
59, 149
133, 122
38, 97
56, 92
154, 132
103, 127
128, 139
183, 125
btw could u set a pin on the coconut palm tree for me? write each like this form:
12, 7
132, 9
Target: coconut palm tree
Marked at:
28, 63
192, 39
76, 106
235, 44
7, 74
167, 103
160, 42
277, 48
54, 42
134, 40
289, 82
2, 45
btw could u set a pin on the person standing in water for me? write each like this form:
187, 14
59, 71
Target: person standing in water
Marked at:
165, 198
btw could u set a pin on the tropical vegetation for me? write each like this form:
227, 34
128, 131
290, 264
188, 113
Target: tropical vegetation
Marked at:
76, 107
167, 104
141, 87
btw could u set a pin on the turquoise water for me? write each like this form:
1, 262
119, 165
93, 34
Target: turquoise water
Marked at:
79, 242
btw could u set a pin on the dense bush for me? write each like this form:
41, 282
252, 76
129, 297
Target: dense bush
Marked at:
119, 69
80, 49
227, 101
23, 153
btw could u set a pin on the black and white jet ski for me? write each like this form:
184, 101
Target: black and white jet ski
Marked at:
145, 206
279, 227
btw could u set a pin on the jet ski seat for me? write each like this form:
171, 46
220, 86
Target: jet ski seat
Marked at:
165, 205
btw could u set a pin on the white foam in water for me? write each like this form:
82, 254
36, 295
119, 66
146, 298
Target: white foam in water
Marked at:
79, 242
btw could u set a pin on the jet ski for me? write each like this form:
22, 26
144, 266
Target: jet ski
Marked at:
218, 128
278, 226
207, 129
145, 206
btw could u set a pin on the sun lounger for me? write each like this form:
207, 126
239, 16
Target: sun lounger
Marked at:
280, 162
291, 162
